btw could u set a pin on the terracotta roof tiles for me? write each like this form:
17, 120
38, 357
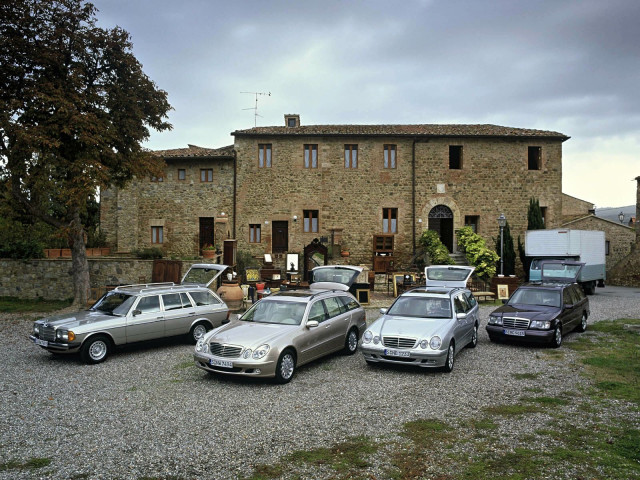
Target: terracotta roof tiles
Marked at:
194, 151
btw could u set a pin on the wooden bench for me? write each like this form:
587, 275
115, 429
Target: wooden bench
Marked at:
484, 296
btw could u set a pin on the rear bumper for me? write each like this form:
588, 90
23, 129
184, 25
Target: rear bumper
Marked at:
533, 336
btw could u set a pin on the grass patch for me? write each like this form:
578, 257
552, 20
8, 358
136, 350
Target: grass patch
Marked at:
509, 410
549, 401
17, 305
31, 464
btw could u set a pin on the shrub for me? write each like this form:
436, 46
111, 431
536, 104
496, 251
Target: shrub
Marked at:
438, 253
478, 254
148, 253
509, 260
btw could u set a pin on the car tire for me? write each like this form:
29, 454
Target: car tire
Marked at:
95, 349
448, 364
351, 342
197, 331
583, 323
286, 366
557, 336
474, 337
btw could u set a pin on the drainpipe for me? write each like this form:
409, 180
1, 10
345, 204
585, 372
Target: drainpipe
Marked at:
235, 186
413, 192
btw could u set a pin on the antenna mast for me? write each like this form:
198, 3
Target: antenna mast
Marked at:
255, 108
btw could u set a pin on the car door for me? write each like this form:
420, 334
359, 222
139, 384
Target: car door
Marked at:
316, 339
337, 322
463, 326
207, 305
570, 312
177, 313
146, 320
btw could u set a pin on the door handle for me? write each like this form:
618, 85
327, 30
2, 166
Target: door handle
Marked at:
159, 318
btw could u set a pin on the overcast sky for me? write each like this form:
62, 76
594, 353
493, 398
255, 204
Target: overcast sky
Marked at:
568, 66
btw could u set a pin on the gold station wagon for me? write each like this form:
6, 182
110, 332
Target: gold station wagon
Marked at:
136, 313
285, 330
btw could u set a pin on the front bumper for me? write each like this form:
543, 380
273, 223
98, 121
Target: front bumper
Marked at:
529, 335
418, 357
57, 347
249, 368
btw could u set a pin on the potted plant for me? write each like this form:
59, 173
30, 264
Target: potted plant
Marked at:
208, 250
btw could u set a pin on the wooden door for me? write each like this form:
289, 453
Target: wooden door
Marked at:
206, 231
280, 237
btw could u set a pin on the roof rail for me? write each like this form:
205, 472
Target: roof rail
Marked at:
146, 285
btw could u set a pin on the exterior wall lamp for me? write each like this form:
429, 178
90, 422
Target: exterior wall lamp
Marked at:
621, 217
295, 218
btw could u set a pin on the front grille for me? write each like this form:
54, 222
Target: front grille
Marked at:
226, 351
399, 359
514, 322
398, 342
47, 332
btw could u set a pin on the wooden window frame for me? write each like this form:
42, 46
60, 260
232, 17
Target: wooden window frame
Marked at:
387, 161
309, 149
388, 216
255, 233
307, 221
157, 235
534, 158
266, 160
206, 175
184, 173
351, 161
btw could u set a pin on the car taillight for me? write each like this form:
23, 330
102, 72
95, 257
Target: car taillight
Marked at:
228, 314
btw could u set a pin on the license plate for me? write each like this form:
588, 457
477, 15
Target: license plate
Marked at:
395, 353
515, 333
42, 343
214, 362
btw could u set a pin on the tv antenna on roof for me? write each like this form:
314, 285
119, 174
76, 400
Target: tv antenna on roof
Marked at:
255, 108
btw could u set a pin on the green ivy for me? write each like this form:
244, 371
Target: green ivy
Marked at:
438, 253
478, 254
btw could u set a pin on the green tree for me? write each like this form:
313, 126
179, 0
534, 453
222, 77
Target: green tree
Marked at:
75, 106
509, 260
534, 222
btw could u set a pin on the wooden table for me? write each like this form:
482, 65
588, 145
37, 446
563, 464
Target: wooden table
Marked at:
484, 295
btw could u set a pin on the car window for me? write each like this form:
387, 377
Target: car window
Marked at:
186, 302
566, 296
149, 304
204, 297
334, 308
413, 306
114, 302
471, 300
579, 292
317, 313
171, 301
349, 303
460, 304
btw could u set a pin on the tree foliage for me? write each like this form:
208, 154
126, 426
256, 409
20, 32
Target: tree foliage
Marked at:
438, 253
75, 106
478, 254
509, 255
534, 222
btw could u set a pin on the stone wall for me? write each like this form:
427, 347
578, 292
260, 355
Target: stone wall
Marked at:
573, 207
127, 215
494, 179
52, 279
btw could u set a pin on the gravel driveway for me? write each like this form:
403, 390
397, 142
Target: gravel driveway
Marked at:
148, 412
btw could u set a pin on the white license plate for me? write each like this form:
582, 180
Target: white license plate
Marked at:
395, 353
515, 333
214, 362
42, 343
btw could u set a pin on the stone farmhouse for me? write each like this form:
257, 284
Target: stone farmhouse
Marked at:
367, 189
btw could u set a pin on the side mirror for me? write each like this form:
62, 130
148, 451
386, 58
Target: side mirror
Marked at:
312, 324
136, 312
568, 306
461, 316
383, 310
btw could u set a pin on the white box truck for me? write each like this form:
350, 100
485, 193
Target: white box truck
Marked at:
587, 246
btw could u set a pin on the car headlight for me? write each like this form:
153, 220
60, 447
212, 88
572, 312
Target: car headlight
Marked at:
424, 343
435, 342
36, 329
376, 339
495, 320
200, 345
65, 335
261, 351
367, 337
540, 324
247, 353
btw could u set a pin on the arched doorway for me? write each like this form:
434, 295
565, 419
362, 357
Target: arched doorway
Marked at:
441, 220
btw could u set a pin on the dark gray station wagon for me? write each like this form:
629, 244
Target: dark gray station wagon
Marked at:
136, 313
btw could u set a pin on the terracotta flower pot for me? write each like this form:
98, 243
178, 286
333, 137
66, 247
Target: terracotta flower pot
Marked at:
208, 253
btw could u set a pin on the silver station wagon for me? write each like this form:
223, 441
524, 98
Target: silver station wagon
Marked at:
426, 326
136, 313
284, 331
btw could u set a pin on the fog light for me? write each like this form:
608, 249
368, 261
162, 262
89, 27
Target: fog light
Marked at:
257, 371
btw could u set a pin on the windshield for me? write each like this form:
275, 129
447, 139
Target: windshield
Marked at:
535, 296
202, 275
114, 303
272, 311
448, 274
560, 271
430, 307
335, 275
